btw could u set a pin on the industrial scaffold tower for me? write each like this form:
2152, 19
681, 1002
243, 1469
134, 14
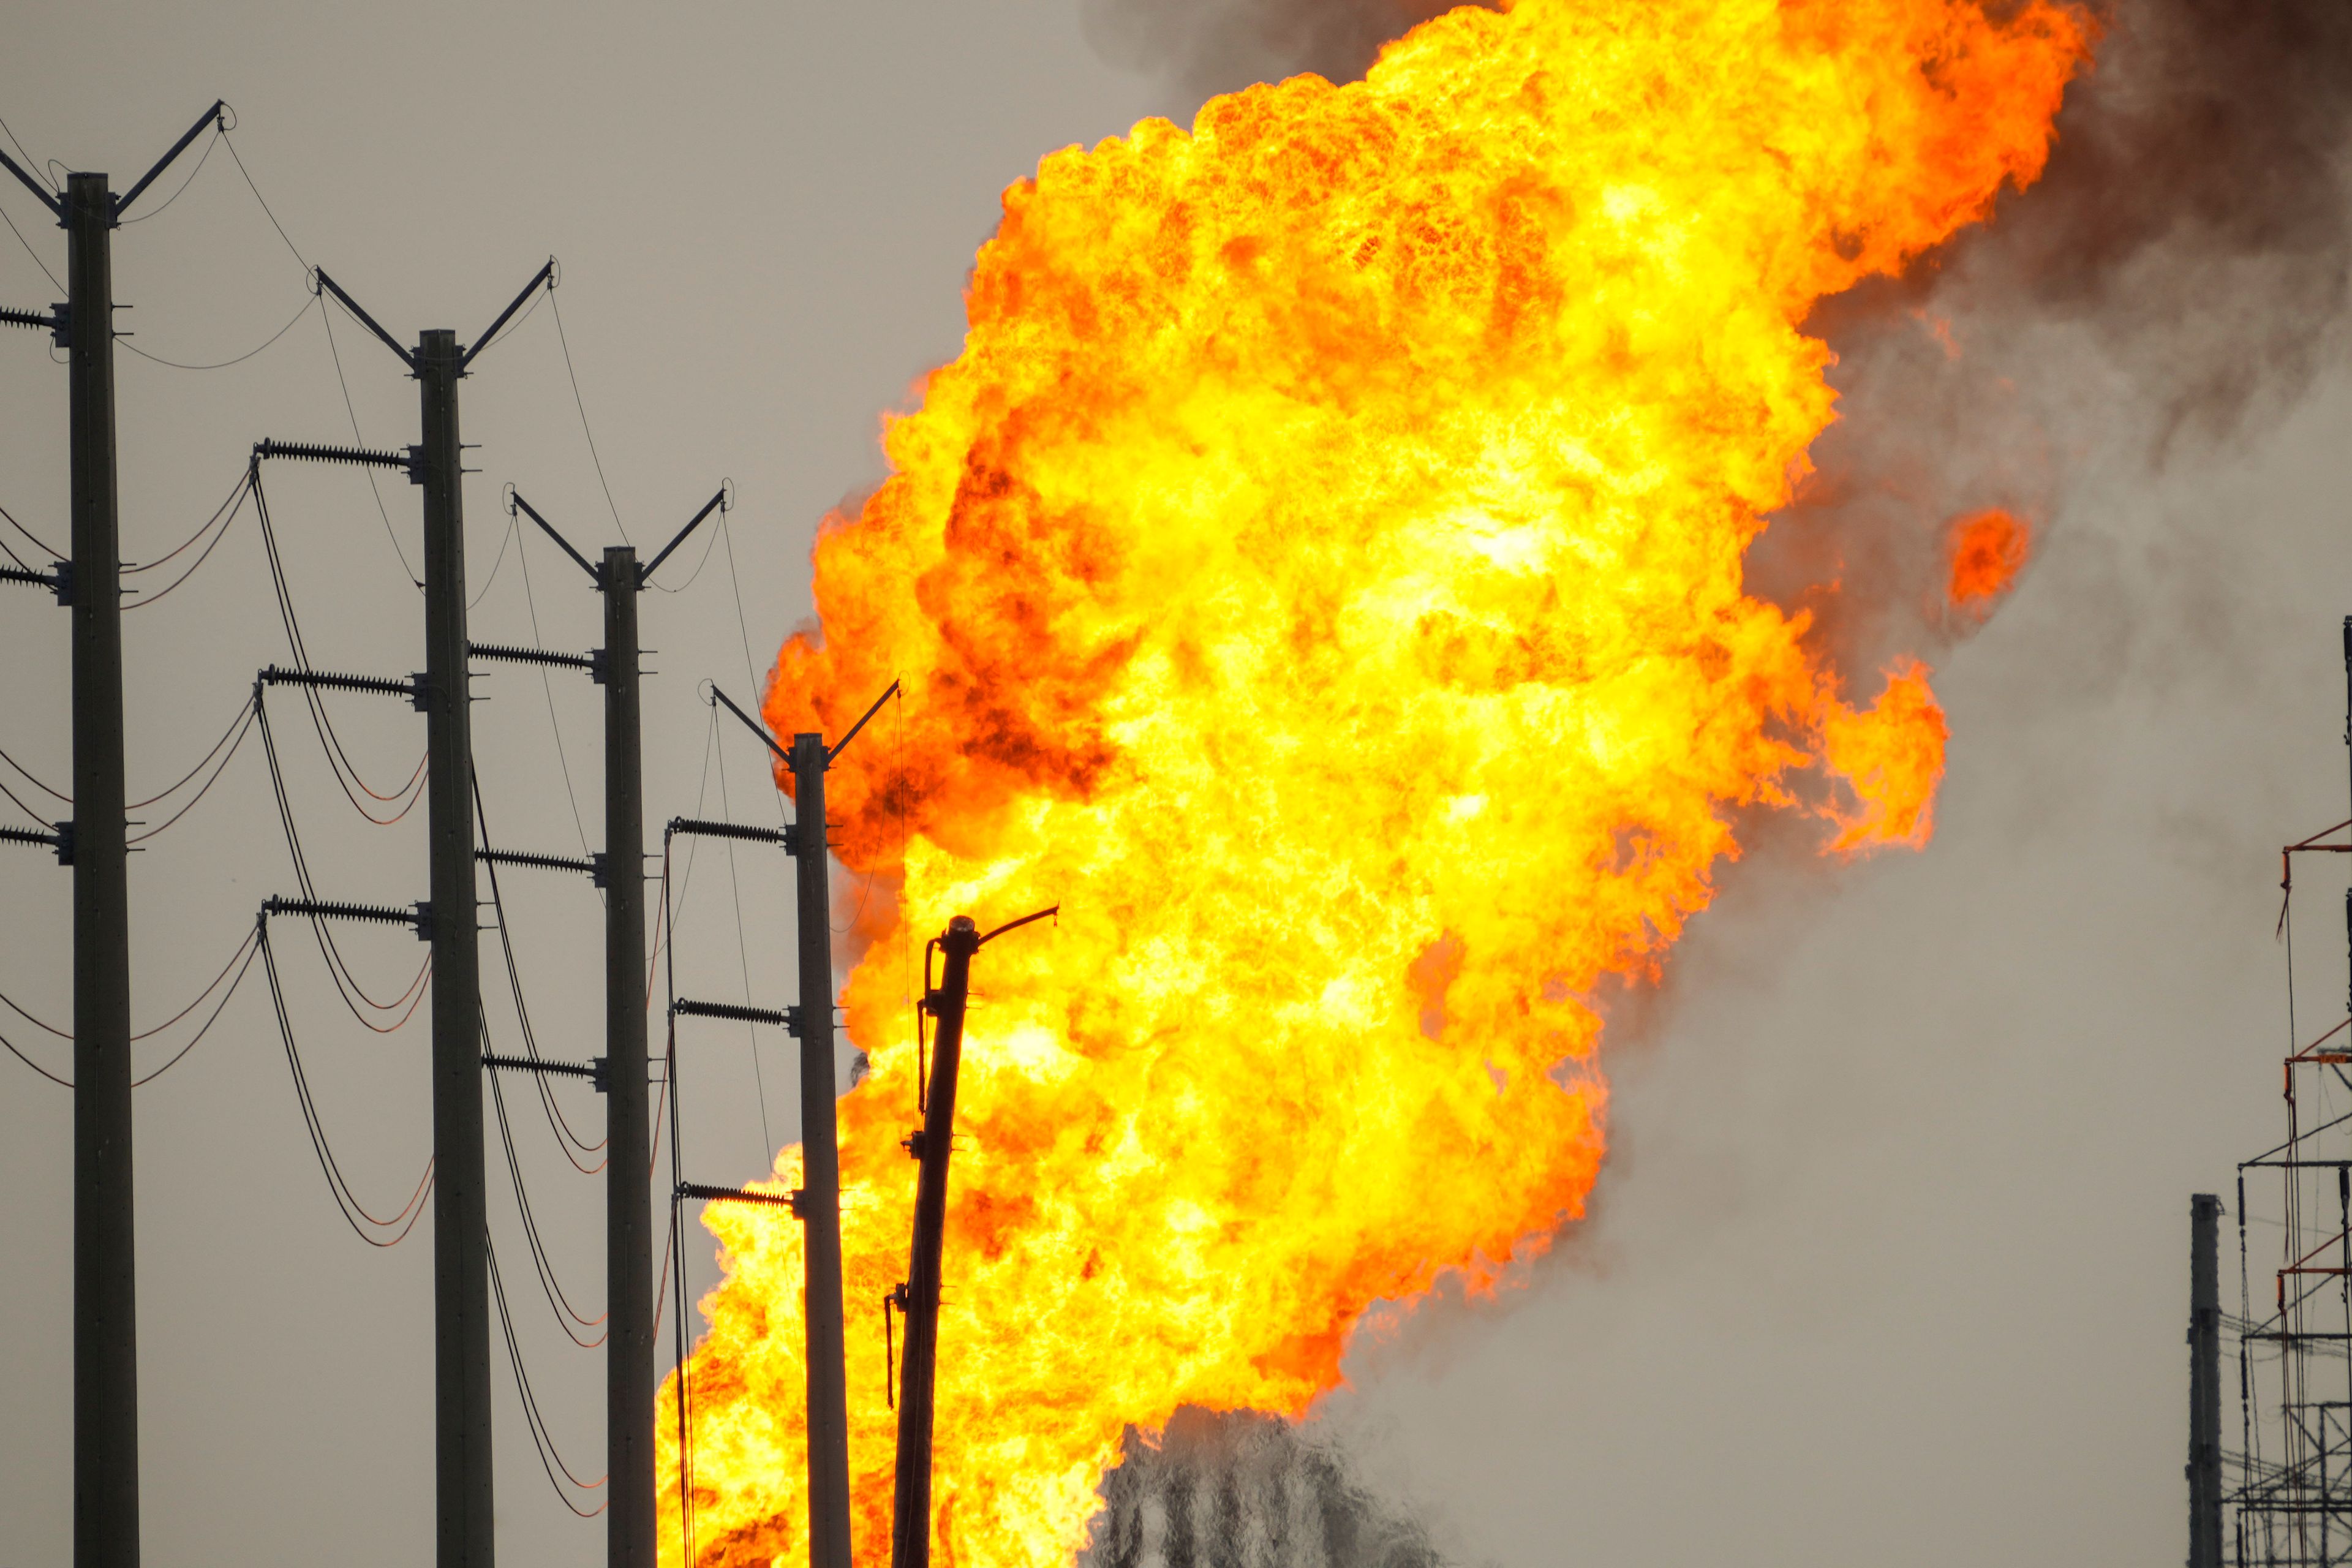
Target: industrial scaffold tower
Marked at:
2283, 1496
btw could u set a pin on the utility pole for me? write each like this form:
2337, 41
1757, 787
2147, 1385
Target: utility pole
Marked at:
630, 1517
918, 1298
828, 1391
631, 1514
461, 1336
106, 1326
910, 1523
2204, 1382
106, 1306
818, 1201
463, 1479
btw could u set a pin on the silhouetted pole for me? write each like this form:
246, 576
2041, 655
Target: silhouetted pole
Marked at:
2204, 1382
106, 1329
461, 1291
828, 1393
910, 1525
628, 1202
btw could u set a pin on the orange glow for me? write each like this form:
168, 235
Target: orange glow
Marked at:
1321, 575
1988, 548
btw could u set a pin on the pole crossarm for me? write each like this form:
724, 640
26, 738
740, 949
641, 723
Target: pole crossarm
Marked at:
593, 866
417, 917
587, 661
843, 745
720, 502
789, 837
546, 274
592, 1070
413, 688
212, 116
61, 840
514, 500
49, 197
354, 306
307, 451
751, 724
709, 1194
788, 1019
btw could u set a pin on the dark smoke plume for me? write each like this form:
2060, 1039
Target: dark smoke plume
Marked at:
1244, 1490
2174, 279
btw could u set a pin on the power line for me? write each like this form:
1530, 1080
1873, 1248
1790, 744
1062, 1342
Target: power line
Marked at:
522, 558
30, 251
543, 1440
567, 1139
743, 961
235, 498
566, 1314
30, 161
205, 1028
301, 310
50, 550
347, 1204
36, 784
206, 787
202, 159
346, 984
243, 716
351, 410
581, 404
61, 1082
339, 761
264, 200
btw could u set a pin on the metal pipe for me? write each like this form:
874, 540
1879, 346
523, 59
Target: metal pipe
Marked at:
828, 1391
628, 1200
461, 1327
106, 1329
911, 1527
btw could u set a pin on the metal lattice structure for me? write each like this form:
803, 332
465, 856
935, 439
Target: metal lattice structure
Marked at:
2286, 1494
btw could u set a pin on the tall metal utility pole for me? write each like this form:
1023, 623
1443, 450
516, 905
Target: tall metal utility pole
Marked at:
461, 1288
106, 1326
631, 1514
2204, 1382
106, 1306
818, 1201
461, 1316
828, 1390
910, 1523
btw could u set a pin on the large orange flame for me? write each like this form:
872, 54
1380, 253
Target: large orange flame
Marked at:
1321, 575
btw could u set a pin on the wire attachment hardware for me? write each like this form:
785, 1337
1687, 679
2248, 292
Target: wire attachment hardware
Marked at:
409, 462
793, 1200
788, 1019
61, 840
419, 916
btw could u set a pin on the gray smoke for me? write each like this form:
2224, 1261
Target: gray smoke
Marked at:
1203, 47
1246, 1491
2175, 277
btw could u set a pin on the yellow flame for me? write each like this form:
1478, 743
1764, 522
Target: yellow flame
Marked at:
1321, 574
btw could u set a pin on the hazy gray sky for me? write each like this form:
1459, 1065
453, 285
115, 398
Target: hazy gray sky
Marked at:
1888, 1262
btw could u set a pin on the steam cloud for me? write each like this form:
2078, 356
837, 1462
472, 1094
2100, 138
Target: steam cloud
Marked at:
1242, 1488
